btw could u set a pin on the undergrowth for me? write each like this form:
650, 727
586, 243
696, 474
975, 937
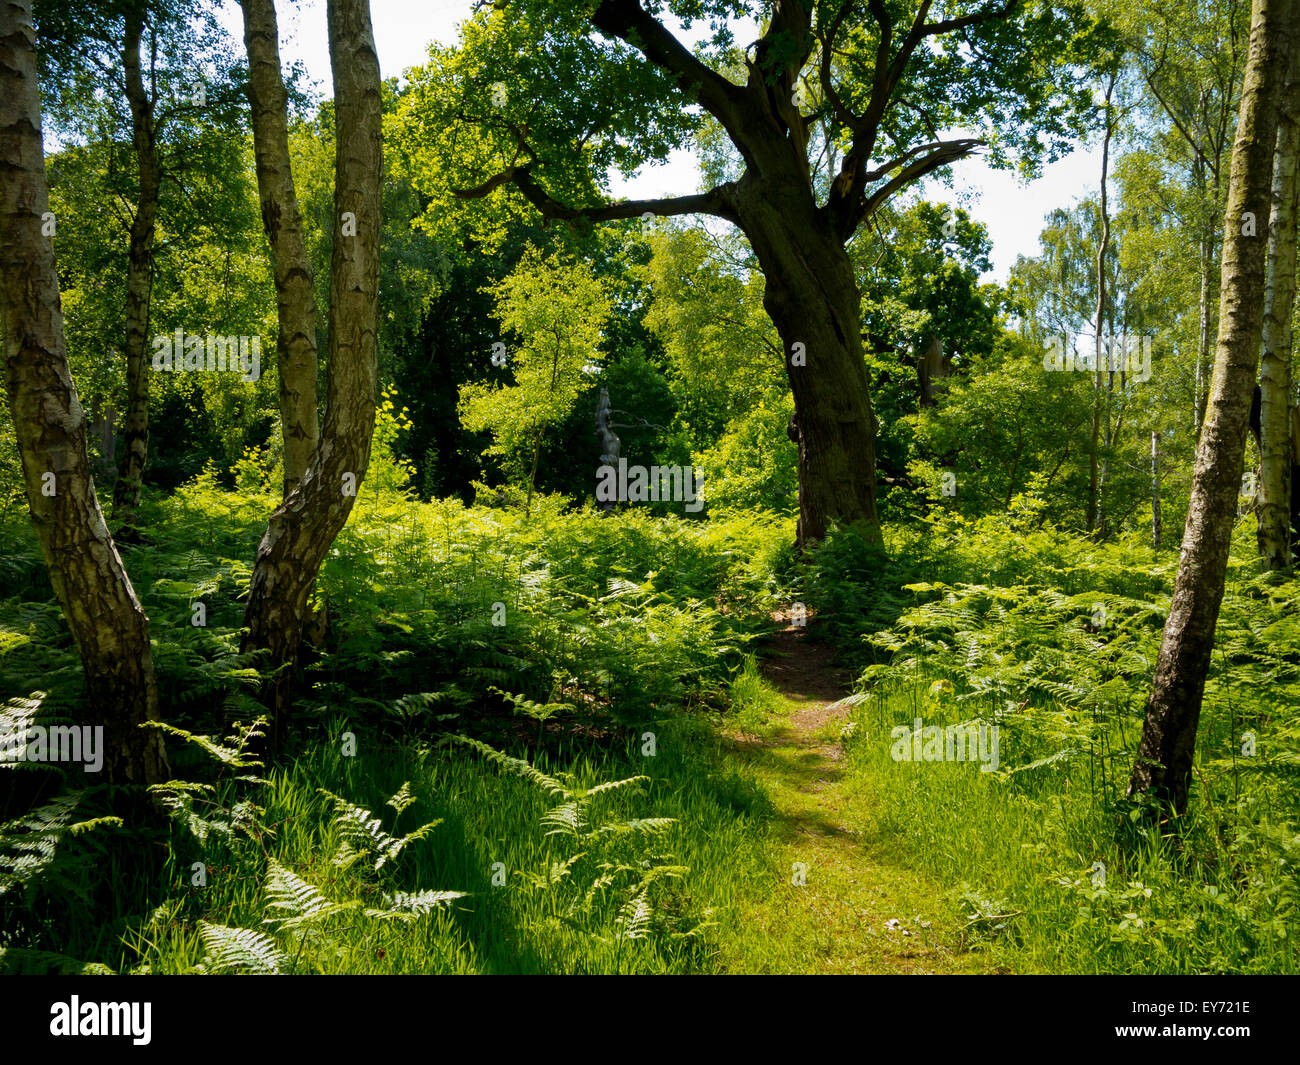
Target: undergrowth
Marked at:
1053, 641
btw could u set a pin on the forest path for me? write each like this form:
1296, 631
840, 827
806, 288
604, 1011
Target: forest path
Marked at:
857, 910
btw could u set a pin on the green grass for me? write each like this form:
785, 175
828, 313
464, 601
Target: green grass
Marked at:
524, 925
1023, 861
839, 901
620, 627
1023, 850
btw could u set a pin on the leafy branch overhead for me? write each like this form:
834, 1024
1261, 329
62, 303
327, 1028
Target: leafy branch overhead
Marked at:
571, 103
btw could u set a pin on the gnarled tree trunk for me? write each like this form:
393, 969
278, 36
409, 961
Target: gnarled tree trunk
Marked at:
812, 297
304, 526
103, 613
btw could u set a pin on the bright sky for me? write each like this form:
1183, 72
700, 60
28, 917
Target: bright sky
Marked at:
1013, 212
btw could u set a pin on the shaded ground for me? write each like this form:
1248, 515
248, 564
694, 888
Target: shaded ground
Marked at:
856, 910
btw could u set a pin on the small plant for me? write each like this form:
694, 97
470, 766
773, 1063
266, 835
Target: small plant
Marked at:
301, 919
364, 838
214, 810
607, 881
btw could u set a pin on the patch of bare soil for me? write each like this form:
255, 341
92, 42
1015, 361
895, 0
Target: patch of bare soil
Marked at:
805, 673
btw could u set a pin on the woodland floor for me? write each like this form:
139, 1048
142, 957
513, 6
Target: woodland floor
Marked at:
858, 911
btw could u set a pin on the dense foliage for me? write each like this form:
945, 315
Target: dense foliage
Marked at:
535, 730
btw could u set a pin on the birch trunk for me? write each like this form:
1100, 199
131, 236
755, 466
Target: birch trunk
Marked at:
1274, 499
107, 622
304, 526
139, 282
295, 350
1163, 767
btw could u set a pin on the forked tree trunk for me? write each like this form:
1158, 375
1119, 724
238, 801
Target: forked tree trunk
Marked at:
103, 613
1163, 767
1274, 499
296, 358
304, 526
812, 297
139, 282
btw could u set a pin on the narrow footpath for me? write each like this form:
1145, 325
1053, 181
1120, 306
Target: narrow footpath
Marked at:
855, 911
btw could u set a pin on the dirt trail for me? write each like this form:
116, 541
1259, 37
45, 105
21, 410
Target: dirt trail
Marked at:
856, 911
806, 674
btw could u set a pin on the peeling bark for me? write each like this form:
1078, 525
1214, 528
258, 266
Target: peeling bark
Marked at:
296, 357
105, 617
304, 526
1163, 767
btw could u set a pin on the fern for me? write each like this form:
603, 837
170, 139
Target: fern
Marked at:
402, 798
29, 844
409, 906
635, 917
295, 901
649, 826
582, 875
364, 838
199, 807
295, 907
517, 766
241, 950
236, 757
565, 820
16, 718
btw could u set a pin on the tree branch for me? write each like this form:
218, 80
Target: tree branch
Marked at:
629, 22
950, 152
717, 201
1191, 141
838, 108
975, 18
912, 153
792, 18
846, 204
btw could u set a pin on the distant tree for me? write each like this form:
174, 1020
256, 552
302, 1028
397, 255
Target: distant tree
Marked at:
167, 61
926, 317
1003, 424
557, 308
543, 97
1189, 67
706, 308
